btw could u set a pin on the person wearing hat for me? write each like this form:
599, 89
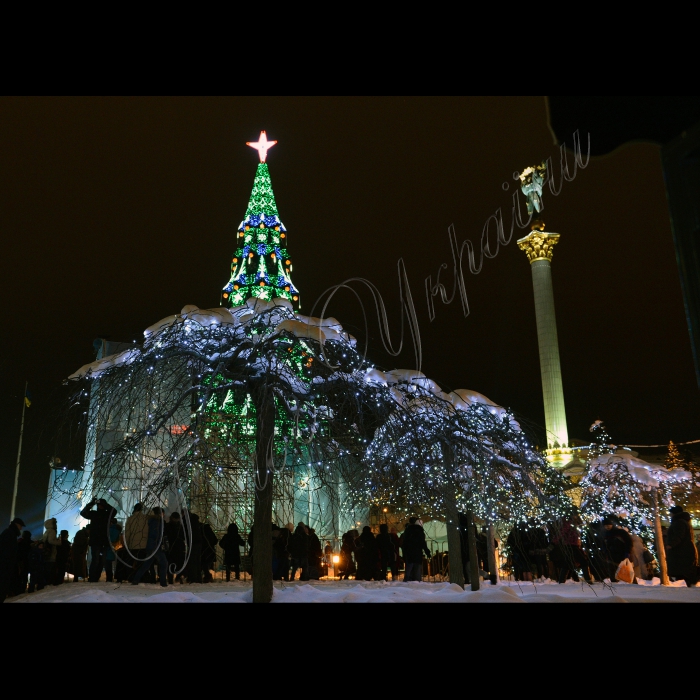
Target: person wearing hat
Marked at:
100, 521
681, 554
51, 542
8, 557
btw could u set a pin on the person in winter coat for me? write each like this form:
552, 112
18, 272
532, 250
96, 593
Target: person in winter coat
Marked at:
641, 556
154, 549
681, 554
51, 543
8, 557
280, 549
413, 546
209, 542
194, 566
177, 552
124, 566
618, 546
463, 543
398, 561
24, 545
387, 552
315, 555
299, 549
539, 544
115, 531
62, 557
327, 560
35, 567
519, 544
568, 555
79, 549
275, 564
482, 549
346, 565
136, 536
231, 543
368, 557
100, 520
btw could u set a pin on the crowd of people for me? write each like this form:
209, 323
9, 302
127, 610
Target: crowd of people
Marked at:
148, 548
370, 557
152, 548
568, 550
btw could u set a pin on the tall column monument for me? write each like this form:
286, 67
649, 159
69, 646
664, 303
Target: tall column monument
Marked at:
538, 245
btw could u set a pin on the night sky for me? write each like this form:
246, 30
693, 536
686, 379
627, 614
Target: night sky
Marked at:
116, 212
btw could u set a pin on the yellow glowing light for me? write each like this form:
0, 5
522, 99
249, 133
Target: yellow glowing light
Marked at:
525, 173
336, 558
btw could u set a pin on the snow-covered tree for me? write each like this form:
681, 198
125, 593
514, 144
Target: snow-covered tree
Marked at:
459, 441
623, 485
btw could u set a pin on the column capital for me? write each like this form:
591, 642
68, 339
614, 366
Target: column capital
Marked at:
539, 245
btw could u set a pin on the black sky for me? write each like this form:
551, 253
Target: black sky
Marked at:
116, 212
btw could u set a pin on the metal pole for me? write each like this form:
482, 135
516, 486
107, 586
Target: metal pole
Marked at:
19, 452
473, 556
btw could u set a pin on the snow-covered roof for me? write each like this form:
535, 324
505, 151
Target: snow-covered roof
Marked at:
650, 475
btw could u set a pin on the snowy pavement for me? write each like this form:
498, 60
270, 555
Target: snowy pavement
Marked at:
364, 592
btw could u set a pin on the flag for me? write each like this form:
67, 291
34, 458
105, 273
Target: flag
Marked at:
27, 398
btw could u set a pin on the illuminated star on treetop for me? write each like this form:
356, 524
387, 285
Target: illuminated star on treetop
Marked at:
262, 144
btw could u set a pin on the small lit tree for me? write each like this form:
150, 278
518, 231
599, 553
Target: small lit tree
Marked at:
687, 492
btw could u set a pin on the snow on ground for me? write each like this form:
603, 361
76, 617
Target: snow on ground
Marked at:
364, 592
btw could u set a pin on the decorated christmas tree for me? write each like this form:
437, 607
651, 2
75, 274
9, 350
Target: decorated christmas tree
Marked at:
673, 459
601, 441
687, 493
261, 267
619, 483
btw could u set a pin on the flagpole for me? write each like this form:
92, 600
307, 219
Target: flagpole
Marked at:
19, 452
